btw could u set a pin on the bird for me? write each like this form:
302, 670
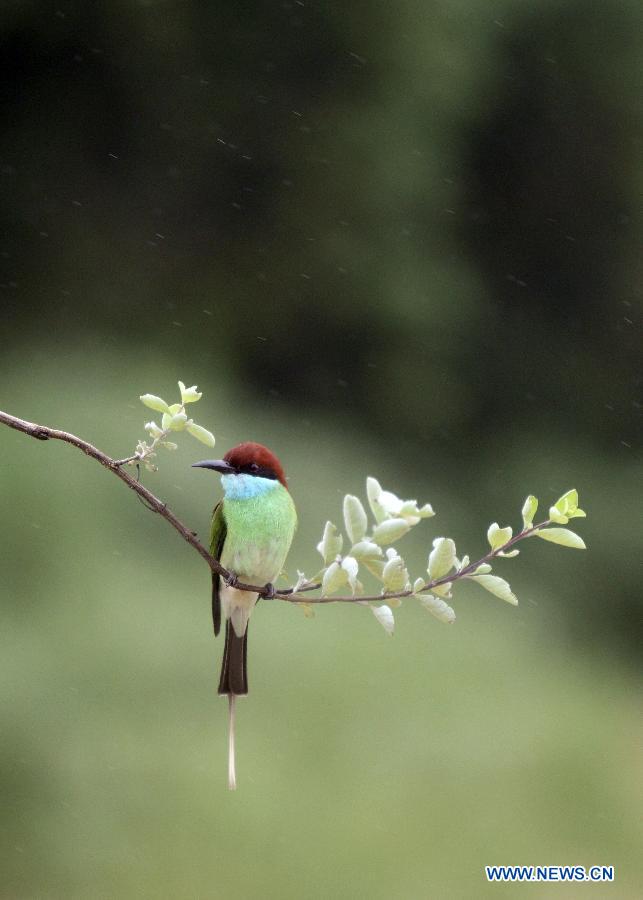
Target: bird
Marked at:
252, 529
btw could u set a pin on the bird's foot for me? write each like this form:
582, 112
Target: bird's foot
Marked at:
232, 580
269, 589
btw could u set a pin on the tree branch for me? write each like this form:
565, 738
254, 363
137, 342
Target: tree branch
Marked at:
465, 572
291, 595
43, 433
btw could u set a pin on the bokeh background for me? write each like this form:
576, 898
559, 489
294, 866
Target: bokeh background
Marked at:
393, 239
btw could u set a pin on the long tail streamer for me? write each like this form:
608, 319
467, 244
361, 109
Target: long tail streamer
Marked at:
232, 774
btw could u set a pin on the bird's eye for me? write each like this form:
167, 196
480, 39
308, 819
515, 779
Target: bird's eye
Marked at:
254, 467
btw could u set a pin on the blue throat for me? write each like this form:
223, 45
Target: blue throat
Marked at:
244, 487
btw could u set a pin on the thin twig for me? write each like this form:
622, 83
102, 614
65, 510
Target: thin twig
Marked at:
43, 433
465, 572
291, 594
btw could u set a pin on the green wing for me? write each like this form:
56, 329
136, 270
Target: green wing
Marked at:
218, 533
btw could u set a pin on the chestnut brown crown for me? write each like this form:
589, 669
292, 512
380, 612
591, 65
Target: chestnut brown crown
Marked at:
255, 459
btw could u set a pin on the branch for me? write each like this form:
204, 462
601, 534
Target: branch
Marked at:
43, 433
428, 586
292, 594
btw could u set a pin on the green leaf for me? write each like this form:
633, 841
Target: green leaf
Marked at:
498, 536
178, 422
442, 557
482, 569
373, 491
153, 429
366, 550
334, 578
354, 518
374, 566
497, 586
438, 608
566, 508
529, 509
411, 511
189, 395
384, 615
562, 536
555, 515
330, 545
386, 504
395, 575
351, 567
201, 434
569, 500
443, 590
155, 403
390, 531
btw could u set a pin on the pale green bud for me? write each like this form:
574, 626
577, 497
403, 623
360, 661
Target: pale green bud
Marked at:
330, 545
153, 429
529, 508
155, 403
386, 504
498, 536
201, 434
189, 395
567, 508
442, 557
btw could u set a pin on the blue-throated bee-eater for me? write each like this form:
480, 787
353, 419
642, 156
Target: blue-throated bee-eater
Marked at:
252, 530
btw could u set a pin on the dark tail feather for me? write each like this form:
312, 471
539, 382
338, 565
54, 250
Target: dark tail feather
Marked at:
234, 679
216, 604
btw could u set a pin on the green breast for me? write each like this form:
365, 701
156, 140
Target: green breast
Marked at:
259, 534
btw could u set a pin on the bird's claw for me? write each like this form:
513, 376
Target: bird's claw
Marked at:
231, 580
269, 589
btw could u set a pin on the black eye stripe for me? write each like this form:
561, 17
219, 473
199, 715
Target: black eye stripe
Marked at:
258, 471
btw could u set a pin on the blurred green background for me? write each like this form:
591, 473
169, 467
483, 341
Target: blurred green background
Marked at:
390, 239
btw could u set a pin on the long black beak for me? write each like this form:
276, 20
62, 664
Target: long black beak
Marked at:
219, 465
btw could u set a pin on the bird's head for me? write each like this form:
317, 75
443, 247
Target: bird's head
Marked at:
248, 459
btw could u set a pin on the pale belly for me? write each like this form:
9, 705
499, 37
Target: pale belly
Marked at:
254, 564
